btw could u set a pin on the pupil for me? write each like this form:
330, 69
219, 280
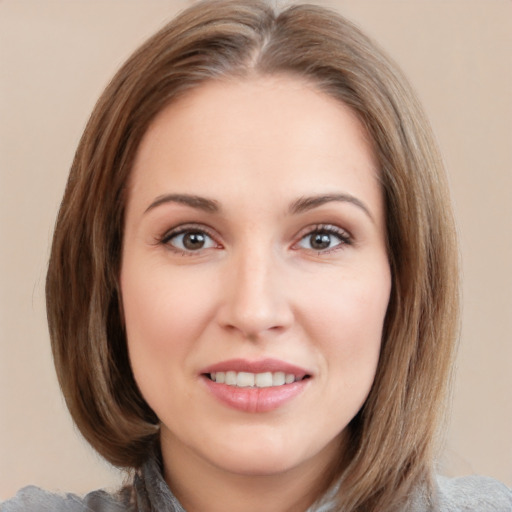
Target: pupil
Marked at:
320, 241
194, 240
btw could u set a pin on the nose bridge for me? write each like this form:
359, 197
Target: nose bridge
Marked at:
256, 301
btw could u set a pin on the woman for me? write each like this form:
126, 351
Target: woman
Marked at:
252, 290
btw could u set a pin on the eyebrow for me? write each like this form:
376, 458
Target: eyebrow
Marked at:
198, 202
301, 205
304, 204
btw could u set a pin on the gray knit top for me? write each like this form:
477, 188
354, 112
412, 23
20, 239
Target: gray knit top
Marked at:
150, 493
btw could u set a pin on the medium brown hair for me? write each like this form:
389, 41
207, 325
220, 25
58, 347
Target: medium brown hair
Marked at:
392, 437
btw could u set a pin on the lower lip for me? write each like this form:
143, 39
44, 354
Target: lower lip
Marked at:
256, 399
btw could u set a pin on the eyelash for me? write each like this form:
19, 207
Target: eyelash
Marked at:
182, 230
343, 236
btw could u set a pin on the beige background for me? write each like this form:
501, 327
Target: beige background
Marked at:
55, 58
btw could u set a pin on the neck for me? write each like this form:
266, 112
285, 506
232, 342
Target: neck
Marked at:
203, 487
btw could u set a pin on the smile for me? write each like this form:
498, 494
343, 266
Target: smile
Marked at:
257, 380
256, 386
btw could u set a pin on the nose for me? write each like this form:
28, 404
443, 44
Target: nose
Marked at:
255, 296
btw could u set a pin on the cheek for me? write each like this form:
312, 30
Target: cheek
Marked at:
345, 305
164, 314
164, 318
346, 318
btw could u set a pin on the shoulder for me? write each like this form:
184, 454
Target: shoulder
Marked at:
470, 493
32, 499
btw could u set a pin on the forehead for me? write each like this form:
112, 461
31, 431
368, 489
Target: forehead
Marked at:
279, 128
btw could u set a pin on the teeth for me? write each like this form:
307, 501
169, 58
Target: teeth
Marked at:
279, 378
263, 380
259, 380
245, 380
289, 378
230, 378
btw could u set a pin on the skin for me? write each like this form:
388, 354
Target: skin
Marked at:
258, 287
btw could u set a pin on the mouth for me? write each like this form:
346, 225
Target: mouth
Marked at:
265, 373
255, 386
255, 380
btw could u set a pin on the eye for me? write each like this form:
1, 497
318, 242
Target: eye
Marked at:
324, 239
188, 240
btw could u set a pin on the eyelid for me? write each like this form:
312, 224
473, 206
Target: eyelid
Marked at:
169, 234
344, 236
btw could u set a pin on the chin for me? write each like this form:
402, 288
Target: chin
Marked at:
264, 456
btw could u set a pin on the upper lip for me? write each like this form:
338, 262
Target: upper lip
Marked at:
260, 366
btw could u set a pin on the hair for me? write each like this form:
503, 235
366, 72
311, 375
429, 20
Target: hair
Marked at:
392, 438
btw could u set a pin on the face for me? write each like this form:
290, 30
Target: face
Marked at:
254, 277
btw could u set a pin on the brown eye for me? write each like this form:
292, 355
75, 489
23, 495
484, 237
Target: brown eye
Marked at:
320, 241
324, 239
194, 241
189, 240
